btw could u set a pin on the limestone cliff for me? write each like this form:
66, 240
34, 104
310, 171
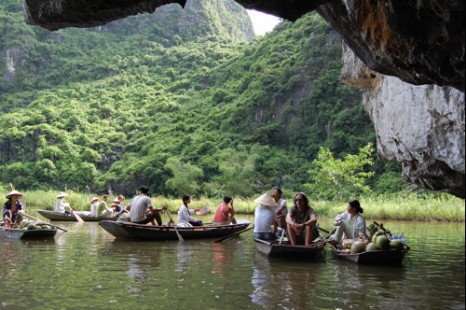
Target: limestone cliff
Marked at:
420, 126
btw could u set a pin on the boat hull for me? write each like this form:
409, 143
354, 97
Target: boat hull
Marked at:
14, 233
286, 249
127, 230
61, 216
380, 257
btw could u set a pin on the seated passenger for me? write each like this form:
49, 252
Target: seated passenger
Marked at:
351, 223
61, 205
224, 214
184, 214
282, 208
94, 204
102, 208
301, 221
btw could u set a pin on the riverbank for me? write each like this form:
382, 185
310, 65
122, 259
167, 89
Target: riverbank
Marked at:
411, 207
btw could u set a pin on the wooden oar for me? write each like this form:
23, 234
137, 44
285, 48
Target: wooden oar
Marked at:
180, 238
233, 234
36, 219
324, 230
281, 237
77, 217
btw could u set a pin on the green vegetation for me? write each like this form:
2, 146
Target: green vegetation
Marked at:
432, 207
196, 109
408, 206
342, 178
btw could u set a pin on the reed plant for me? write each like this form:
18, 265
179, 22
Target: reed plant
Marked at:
433, 207
412, 207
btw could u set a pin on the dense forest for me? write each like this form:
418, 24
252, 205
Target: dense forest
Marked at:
186, 101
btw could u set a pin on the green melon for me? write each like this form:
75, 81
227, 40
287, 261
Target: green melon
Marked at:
383, 243
358, 247
396, 244
374, 239
32, 227
371, 247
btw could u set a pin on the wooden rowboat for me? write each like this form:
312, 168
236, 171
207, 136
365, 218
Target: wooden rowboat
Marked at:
16, 233
66, 217
379, 257
286, 249
127, 230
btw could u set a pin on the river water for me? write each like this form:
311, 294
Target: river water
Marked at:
86, 268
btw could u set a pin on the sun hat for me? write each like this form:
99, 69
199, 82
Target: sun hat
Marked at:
266, 200
62, 195
14, 193
94, 199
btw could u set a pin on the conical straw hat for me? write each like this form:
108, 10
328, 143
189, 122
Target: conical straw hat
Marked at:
14, 193
62, 194
266, 200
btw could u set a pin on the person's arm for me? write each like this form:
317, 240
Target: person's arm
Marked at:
312, 220
232, 210
339, 218
20, 207
156, 210
232, 215
108, 208
280, 210
289, 219
192, 212
361, 227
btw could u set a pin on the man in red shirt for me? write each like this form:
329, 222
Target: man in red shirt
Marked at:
225, 214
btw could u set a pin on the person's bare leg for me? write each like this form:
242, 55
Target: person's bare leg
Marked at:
309, 235
291, 235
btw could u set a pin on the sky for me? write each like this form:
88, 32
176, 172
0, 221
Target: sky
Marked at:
262, 22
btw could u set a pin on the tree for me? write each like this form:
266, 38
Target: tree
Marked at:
341, 178
185, 179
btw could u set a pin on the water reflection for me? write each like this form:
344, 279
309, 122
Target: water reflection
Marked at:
283, 284
11, 258
201, 274
137, 268
184, 254
353, 281
222, 259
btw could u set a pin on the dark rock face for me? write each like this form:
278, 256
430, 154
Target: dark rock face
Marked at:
421, 42
57, 14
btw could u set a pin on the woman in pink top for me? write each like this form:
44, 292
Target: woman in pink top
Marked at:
225, 214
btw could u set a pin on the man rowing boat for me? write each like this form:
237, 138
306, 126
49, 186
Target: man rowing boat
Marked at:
141, 209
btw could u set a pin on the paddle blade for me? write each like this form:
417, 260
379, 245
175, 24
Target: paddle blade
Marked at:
78, 218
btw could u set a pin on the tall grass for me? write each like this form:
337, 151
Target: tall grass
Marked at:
409, 207
435, 207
